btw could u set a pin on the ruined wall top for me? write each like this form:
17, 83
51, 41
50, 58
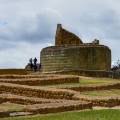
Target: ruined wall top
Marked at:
64, 37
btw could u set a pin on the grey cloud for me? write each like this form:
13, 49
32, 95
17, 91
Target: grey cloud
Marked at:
32, 29
6, 45
104, 22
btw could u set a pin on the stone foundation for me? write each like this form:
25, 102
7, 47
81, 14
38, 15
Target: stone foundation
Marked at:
85, 57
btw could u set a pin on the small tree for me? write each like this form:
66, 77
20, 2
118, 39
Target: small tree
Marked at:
118, 64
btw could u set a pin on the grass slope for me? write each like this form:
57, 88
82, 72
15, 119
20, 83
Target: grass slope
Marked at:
86, 82
104, 93
108, 114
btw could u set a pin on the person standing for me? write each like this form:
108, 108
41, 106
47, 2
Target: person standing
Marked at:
31, 63
35, 64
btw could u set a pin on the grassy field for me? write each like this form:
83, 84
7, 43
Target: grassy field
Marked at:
98, 81
112, 92
87, 81
108, 114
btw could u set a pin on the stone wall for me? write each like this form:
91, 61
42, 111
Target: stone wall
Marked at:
95, 88
58, 107
85, 57
43, 81
31, 91
87, 73
13, 71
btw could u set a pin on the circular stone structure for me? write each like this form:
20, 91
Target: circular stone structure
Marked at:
85, 57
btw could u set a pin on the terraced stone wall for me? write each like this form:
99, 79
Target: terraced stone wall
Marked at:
51, 80
13, 71
29, 91
84, 57
95, 88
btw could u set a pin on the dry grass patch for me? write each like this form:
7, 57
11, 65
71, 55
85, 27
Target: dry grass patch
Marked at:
7, 106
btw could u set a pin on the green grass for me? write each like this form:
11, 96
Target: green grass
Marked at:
111, 92
97, 81
108, 114
85, 82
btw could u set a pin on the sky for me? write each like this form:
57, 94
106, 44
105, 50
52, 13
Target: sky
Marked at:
27, 26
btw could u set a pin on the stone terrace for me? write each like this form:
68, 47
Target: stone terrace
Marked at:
32, 92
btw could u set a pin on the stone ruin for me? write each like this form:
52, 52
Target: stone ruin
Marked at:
70, 53
64, 37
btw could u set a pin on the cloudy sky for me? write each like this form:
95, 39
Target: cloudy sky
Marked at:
27, 26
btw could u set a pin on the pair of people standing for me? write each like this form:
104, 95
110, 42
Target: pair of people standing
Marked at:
33, 64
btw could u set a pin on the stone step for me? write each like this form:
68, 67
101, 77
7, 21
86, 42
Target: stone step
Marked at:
43, 81
27, 100
31, 91
96, 87
110, 101
13, 76
58, 107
